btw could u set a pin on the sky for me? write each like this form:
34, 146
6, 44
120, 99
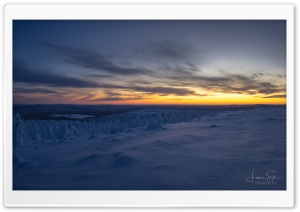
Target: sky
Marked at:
149, 62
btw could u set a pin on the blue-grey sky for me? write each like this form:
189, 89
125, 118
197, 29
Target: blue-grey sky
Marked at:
159, 61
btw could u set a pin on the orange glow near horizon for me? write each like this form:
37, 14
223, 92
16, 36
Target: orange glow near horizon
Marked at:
250, 101
212, 99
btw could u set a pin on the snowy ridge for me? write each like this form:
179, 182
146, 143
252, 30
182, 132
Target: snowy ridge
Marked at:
203, 151
62, 130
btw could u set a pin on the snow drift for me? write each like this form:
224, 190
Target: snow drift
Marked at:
155, 149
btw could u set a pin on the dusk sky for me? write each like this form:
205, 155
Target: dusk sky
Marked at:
149, 62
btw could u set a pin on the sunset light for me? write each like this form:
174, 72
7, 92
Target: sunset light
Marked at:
150, 105
149, 62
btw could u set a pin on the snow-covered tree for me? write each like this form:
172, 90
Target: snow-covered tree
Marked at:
62, 130
17, 130
65, 131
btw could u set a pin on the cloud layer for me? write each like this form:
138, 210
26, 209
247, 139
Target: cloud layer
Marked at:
23, 73
175, 75
91, 60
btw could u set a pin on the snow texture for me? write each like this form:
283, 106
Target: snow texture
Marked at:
153, 149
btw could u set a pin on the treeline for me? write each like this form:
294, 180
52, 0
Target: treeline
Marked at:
39, 131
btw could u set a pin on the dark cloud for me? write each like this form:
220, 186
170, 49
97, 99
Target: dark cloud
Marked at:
116, 98
164, 90
167, 51
143, 82
168, 56
276, 96
161, 91
226, 83
22, 73
28, 99
281, 75
270, 90
34, 90
178, 71
170, 50
92, 60
165, 83
100, 76
182, 69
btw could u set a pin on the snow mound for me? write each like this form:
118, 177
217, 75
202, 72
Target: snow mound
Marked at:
115, 140
17, 159
210, 153
123, 161
88, 176
155, 127
88, 158
28, 165
20, 163
93, 136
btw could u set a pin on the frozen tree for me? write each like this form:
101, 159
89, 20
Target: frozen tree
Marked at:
17, 130
65, 131
50, 132
58, 130
37, 135
72, 128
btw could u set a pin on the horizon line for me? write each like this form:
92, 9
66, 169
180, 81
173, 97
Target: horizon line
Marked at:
153, 104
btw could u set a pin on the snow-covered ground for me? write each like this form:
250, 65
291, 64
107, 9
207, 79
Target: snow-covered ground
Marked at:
225, 150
